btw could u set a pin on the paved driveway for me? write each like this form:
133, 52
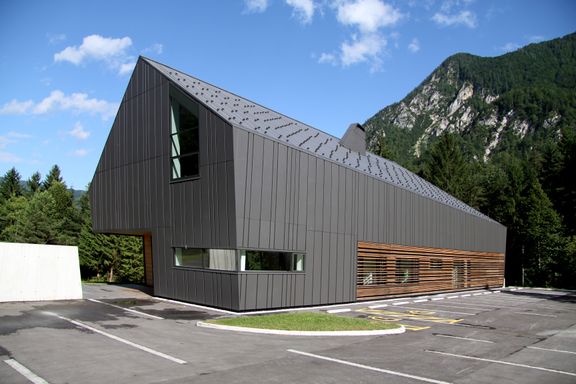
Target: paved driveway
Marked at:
122, 335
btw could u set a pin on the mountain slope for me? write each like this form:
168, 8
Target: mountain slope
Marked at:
508, 103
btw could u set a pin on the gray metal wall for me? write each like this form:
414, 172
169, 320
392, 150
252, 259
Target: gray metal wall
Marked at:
287, 199
256, 193
132, 193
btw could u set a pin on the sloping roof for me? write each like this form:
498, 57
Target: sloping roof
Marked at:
251, 116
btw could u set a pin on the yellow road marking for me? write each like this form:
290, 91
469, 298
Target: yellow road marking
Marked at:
410, 315
407, 326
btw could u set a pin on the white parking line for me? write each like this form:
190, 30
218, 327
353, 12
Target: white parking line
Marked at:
128, 342
127, 309
478, 294
503, 362
401, 303
349, 363
534, 314
464, 338
476, 305
340, 310
453, 297
466, 295
420, 301
460, 307
437, 298
378, 306
31, 376
553, 350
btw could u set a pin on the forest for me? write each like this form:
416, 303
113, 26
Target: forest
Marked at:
45, 211
532, 193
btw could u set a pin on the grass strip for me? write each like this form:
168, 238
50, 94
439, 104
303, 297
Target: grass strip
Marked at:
305, 321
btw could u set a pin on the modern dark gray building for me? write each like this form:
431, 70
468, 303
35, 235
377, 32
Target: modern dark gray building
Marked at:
243, 208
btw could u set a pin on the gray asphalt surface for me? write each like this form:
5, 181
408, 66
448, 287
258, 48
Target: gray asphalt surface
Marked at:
519, 336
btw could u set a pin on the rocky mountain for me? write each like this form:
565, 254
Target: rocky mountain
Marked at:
507, 103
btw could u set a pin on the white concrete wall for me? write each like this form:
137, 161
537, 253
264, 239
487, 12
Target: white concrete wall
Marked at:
32, 272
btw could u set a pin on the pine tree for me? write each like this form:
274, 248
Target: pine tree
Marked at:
34, 182
11, 184
53, 176
444, 166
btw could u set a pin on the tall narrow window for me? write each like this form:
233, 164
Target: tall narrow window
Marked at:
184, 138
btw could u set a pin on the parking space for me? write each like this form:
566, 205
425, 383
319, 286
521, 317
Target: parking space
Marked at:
126, 336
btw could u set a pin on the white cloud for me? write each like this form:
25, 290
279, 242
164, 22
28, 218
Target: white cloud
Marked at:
79, 132
303, 9
57, 100
11, 137
81, 152
155, 48
328, 58
509, 47
15, 107
95, 47
367, 48
7, 157
536, 38
256, 6
368, 15
4, 141
414, 45
126, 68
55, 38
465, 18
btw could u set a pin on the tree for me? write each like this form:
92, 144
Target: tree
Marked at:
115, 257
53, 176
34, 182
11, 184
444, 166
10, 214
384, 150
540, 233
34, 222
567, 186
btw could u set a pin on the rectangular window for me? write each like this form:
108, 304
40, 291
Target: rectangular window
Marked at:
238, 260
271, 261
407, 271
184, 137
220, 259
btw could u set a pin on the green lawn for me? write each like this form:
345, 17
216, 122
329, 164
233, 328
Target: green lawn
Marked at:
305, 321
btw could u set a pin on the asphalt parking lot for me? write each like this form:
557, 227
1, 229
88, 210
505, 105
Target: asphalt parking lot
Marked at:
123, 335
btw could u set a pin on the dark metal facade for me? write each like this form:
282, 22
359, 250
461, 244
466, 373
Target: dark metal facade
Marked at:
257, 192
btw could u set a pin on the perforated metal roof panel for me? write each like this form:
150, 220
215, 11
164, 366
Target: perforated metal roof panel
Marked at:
248, 115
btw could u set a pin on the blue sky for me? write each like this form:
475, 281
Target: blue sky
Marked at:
64, 65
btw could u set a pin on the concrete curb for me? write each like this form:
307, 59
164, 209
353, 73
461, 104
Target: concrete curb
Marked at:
380, 332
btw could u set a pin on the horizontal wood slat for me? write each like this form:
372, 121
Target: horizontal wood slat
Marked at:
390, 269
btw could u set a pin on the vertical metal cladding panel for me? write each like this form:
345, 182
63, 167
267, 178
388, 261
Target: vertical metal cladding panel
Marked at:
266, 193
317, 247
240, 138
319, 196
280, 221
311, 195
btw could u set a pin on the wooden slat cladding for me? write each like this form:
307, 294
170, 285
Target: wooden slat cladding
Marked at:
148, 269
389, 269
